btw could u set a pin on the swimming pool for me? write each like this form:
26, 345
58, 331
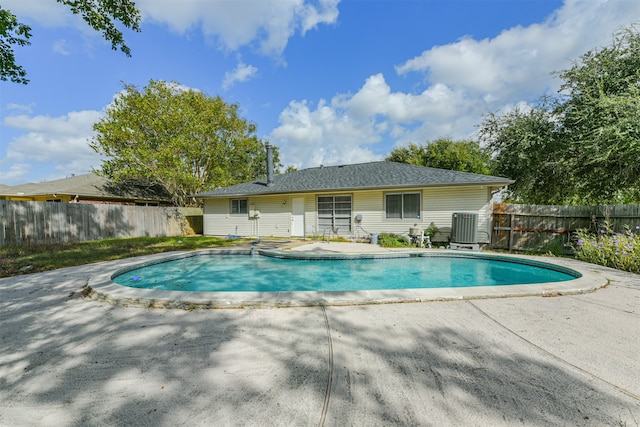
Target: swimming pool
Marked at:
292, 273
101, 286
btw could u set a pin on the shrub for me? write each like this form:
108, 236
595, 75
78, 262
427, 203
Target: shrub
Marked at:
431, 231
392, 241
609, 249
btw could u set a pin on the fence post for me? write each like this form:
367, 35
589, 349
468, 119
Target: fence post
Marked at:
511, 221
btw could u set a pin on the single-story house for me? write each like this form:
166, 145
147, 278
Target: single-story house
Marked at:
88, 188
354, 200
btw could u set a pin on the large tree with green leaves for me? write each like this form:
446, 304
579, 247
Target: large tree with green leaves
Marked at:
583, 145
527, 150
444, 153
600, 116
101, 15
179, 137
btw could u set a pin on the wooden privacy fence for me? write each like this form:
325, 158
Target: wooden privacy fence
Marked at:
546, 227
30, 223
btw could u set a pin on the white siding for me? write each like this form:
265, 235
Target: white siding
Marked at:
275, 218
370, 204
219, 222
438, 206
441, 203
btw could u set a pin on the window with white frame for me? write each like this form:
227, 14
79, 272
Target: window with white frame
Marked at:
239, 206
402, 205
334, 212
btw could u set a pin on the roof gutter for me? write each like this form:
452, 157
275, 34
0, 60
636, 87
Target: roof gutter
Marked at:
495, 184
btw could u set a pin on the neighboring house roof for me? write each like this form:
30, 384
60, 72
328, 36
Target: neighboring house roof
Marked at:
361, 176
87, 186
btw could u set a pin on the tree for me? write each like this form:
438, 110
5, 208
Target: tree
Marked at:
290, 168
582, 145
12, 33
601, 119
412, 154
444, 153
179, 137
101, 15
526, 150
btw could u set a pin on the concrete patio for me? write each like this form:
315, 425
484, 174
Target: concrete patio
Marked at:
567, 360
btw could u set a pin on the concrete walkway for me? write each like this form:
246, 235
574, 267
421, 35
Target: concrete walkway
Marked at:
569, 360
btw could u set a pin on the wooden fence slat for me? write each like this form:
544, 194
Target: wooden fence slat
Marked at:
28, 223
536, 227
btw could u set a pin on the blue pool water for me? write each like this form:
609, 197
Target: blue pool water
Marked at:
243, 273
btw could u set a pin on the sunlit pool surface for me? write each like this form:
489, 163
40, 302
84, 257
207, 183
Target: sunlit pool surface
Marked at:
244, 273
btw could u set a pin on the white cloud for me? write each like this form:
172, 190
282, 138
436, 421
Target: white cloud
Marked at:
327, 12
520, 60
60, 47
348, 129
20, 107
60, 141
325, 136
241, 73
376, 98
15, 173
45, 12
265, 25
464, 80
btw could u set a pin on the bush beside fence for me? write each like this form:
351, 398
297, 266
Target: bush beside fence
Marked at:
31, 223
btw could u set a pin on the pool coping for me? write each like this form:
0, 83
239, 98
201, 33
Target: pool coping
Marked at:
100, 286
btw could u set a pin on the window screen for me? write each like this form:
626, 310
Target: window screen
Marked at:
334, 211
239, 206
402, 205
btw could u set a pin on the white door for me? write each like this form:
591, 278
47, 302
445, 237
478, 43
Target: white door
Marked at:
297, 217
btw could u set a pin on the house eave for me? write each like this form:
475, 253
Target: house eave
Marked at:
492, 184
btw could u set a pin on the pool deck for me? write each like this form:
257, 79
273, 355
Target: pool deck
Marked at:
557, 360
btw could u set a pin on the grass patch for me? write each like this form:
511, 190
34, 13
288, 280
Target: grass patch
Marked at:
33, 259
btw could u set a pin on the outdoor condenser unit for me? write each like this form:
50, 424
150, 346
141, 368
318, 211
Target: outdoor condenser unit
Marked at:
464, 227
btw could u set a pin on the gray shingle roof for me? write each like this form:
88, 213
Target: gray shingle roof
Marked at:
359, 176
87, 185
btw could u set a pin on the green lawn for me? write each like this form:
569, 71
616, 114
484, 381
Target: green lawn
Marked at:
32, 259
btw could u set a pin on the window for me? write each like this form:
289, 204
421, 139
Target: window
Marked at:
402, 205
239, 206
334, 211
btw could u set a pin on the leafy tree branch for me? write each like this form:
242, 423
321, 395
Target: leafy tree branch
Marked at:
101, 15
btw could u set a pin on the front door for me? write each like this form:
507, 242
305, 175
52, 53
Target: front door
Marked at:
297, 217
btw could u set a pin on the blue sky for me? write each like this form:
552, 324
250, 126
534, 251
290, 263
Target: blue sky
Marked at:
327, 81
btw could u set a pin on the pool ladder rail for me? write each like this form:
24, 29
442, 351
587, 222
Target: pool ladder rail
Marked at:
328, 232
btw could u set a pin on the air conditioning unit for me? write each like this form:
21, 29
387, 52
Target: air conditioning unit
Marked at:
464, 227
